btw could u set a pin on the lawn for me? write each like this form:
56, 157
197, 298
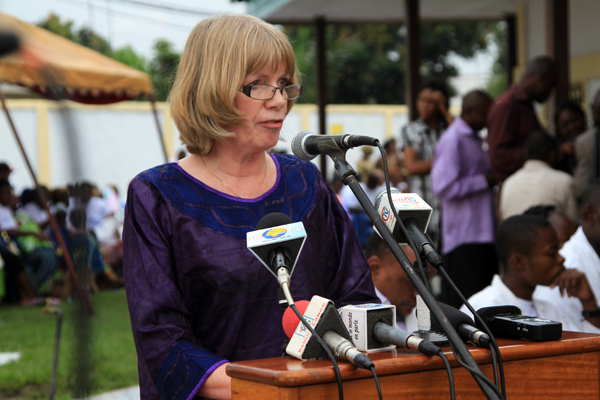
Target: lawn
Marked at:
111, 351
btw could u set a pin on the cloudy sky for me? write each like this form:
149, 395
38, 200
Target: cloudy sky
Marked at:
126, 21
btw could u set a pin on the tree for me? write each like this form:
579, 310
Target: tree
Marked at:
128, 56
498, 81
366, 62
162, 68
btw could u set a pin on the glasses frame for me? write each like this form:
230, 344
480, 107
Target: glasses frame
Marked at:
248, 88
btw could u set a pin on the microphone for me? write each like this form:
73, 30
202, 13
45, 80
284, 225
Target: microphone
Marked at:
321, 314
307, 145
463, 324
276, 243
372, 326
415, 214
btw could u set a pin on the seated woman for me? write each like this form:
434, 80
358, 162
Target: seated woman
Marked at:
198, 298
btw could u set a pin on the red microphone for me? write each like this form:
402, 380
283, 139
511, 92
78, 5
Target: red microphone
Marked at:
290, 320
321, 313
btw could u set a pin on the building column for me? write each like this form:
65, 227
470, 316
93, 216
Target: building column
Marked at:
322, 84
511, 43
558, 48
413, 77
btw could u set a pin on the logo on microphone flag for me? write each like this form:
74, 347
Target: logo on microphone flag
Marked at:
274, 233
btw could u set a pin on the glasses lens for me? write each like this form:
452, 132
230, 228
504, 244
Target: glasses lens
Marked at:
292, 92
261, 92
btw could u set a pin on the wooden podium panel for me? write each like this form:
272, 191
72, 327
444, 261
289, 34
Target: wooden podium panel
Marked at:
566, 368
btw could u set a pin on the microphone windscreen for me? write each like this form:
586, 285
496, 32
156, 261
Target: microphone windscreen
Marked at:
298, 149
455, 316
290, 319
273, 219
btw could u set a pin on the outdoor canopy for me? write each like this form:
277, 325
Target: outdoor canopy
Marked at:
85, 75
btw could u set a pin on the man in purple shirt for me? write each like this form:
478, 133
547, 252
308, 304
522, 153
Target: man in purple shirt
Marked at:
462, 178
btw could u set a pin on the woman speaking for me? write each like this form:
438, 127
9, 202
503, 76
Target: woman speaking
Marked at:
198, 298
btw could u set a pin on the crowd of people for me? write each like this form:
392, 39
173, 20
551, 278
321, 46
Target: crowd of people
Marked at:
34, 263
515, 212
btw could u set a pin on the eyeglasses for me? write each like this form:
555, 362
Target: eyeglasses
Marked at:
266, 92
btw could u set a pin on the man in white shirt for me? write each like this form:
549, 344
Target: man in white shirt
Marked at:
581, 253
537, 183
392, 286
527, 246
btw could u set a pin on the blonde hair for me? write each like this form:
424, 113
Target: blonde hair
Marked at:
220, 52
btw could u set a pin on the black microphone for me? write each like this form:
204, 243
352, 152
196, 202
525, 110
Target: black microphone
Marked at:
277, 242
414, 213
306, 145
372, 326
463, 324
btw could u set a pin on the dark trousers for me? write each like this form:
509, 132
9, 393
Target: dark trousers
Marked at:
471, 267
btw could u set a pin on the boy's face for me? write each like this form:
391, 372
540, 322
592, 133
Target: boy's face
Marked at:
544, 263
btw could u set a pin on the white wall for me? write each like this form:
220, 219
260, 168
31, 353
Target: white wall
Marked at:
113, 144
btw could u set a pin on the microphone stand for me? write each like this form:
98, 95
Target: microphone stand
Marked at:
348, 177
424, 328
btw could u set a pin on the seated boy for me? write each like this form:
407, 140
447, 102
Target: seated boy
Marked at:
527, 247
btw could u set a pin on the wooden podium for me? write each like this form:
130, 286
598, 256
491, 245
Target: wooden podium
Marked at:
562, 369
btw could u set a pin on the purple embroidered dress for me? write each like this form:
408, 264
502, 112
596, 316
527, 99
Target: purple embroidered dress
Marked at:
198, 297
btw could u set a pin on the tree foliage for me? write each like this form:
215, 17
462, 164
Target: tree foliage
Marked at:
366, 63
162, 68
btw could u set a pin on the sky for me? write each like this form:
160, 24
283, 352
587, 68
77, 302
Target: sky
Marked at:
128, 22
125, 22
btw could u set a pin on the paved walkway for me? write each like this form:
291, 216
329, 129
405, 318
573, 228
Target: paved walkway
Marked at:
130, 393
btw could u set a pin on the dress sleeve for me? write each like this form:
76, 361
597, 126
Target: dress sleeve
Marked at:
446, 178
169, 355
348, 272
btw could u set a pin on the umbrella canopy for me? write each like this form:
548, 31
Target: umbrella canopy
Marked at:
85, 75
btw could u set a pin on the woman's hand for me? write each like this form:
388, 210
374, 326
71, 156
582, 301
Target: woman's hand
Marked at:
217, 385
441, 104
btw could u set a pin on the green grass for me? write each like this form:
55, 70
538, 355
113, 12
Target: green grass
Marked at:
27, 330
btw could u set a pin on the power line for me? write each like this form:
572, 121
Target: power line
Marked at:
168, 7
135, 17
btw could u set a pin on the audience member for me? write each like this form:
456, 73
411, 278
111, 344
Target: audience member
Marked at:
512, 117
17, 285
586, 151
392, 286
5, 171
563, 225
32, 205
365, 166
528, 250
418, 140
537, 183
394, 164
40, 264
95, 206
360, 219
463, 180
570, 122
581, 251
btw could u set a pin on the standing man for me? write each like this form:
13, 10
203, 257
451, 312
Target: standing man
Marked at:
586, 152
462, 178
512, 117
